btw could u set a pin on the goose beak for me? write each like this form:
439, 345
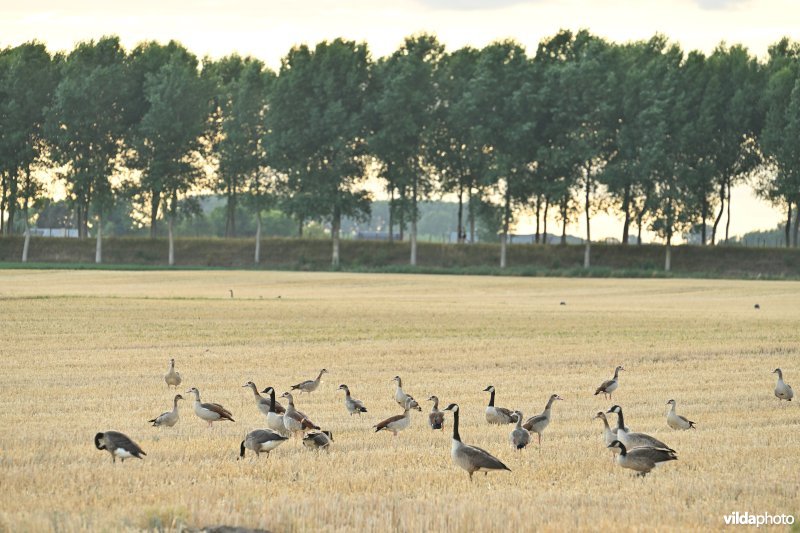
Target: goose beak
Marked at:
559, 397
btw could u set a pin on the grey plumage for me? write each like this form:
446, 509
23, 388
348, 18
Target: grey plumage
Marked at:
118, 445
261, 441
471, 458
318, 440
642, 459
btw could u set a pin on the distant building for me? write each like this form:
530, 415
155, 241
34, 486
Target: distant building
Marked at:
54, 232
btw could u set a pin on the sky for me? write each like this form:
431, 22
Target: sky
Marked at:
267, 29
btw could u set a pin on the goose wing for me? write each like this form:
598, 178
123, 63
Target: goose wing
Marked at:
265, 435
217, 408
383, 425
159, 417
302, 384
644, 440
603, 386
120, 440
359, 405
691, 424
652, 455
504, 412
436, 419
480, 458
529, 423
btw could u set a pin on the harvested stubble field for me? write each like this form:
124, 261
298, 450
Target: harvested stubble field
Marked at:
83, 352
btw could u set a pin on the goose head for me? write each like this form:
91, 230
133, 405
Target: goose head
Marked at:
250, 384
670, 402
433, 399
194, 390
268, 390
98, 441
452, 407
287, 395
172, 362
601, 415
323, 371
516, 416
396, 378
617, 444
178, 397
343, 387
620, 367
615, 409
556, 397
778, 371
490, 388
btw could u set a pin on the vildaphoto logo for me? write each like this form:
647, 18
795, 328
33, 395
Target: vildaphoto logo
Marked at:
758, 520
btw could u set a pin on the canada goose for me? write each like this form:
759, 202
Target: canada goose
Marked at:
309, 385
293, 420
352, 405
634, 440
275, 417
496, 415
471, 458
436, 417
676, 421
537, 424
609, 435
261, 440
210, 412
261, 402
520, 437
642, 459
168, 418
318, 440
118, 445
397, 423
172, 378
607, 387
400, 396
783, 391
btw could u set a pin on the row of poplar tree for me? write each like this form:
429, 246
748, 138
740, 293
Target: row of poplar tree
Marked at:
655, 134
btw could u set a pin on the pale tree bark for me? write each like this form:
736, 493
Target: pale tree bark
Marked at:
796, 223
787, 230
414, 217
728, 222
257, 258
506, 223
471, 216
170, 225
544, 220
335, 228
668, 259
98, 248
538, 215
460, 224
719, 214
391, 214
27, 244
626, 208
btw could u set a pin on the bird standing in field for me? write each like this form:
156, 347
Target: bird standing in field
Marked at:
168, 418
471, 458
293, 420
436, 417
352, 405
642, 459
318, 440
400, 395
309, 385
783, 391
676, 421
537, 424
261, 402
274, 416
609, 435
396, 423
520, 437
261, 441
210, 412
118, 445
609, 386
172, 378
634, 440
496, 415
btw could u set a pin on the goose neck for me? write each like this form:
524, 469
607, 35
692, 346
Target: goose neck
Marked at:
491, 398
620, 421
456, 436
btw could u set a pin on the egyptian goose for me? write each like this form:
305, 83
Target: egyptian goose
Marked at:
210, 412
396, 423
436, 417
400, 395
172, 378
309, 385
520, 436
352, 405
168, 418
537, 424
609, 386
676, 421
318, 440
783, 391
293, 420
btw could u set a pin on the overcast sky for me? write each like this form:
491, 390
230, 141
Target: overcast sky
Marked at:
268, 28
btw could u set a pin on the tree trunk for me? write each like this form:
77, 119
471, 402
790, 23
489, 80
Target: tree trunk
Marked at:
300, 223
728, 222
413, 260
587, 252
564, 206
79, 219
11, 205
230, 208
668, 258
335, 225
401, 215
506, 220
796, 222
257, 258
639, 218
471, 216
170, 225
538, 213
391, 214
788, 228
98, 248
544, 220
460, 224
3, 186
626, 208
27, 244
719, 215
155, 201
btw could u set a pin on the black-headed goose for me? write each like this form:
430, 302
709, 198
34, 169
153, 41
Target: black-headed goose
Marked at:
634, 440
471, 458
295, 421
318, 440
275, 417
400, 396
537, 424
168, 418
261, 402
352, 405
676, 421
609, 386
309, 385
782, 390
642, 459
436, 417
118, 445
210, 412
497, 415
261, 441
172, 378
520, 437
397, 423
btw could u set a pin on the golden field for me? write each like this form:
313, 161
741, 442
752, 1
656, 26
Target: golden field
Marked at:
86, 351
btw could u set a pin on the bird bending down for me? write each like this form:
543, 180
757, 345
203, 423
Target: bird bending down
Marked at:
471, 458
783, 391
676, 421
496, 415
118, 445
168, 418
318, 440
309, 385
642, 459
609, 386
261, 441
210, 412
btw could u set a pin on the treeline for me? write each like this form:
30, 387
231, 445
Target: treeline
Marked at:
655, 134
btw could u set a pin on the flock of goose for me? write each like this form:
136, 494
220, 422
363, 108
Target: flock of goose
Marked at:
632, 450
